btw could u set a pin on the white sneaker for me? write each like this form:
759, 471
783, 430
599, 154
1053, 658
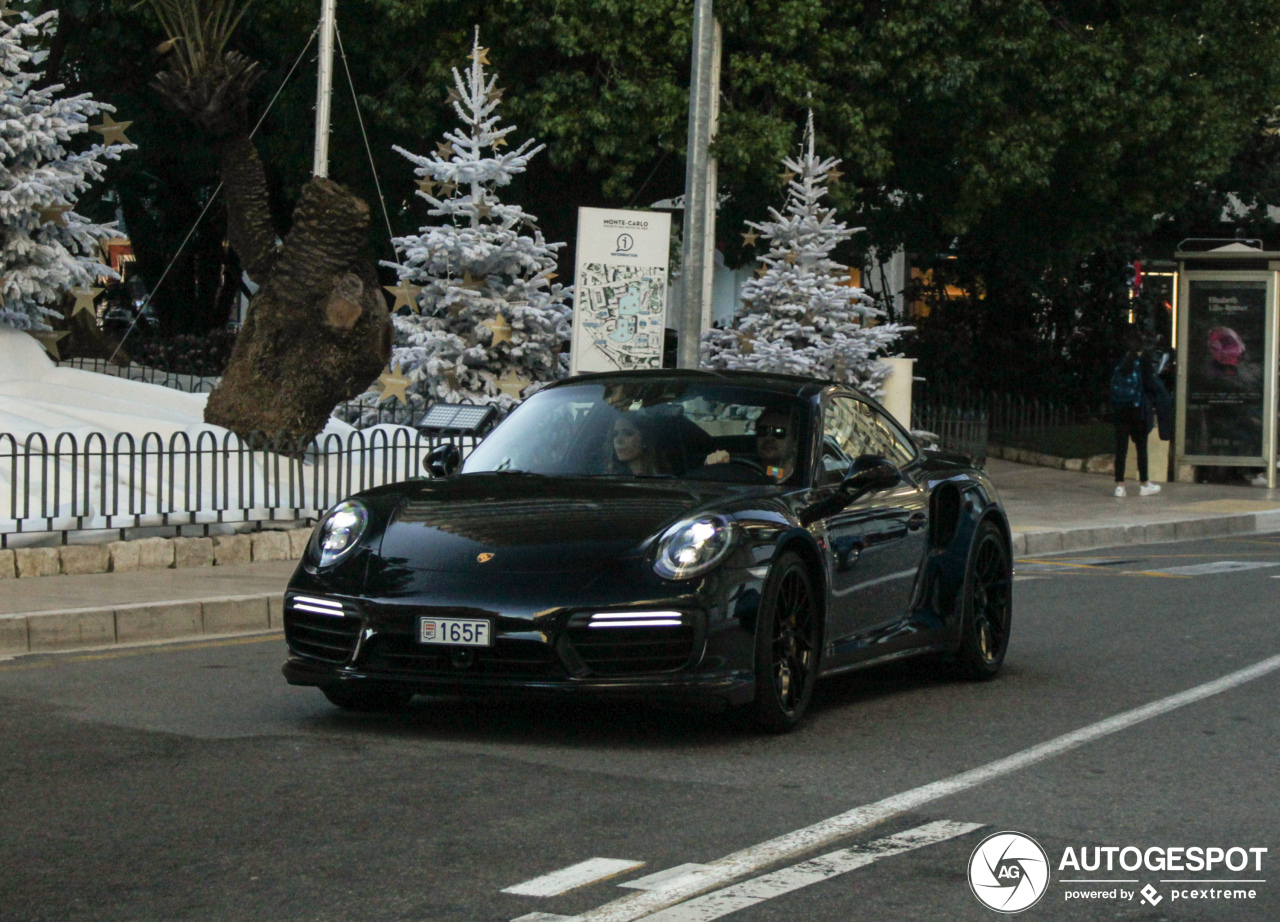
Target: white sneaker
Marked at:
1120, 490
1148, 489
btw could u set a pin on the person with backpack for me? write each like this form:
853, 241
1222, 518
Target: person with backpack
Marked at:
1134, 390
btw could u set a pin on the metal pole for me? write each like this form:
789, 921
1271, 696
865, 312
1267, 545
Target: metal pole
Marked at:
699, 186
324, 88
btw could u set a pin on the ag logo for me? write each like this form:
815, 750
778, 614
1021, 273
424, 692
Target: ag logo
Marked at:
1008, 872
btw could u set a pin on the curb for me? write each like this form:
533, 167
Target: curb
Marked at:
1051, 541
79, 628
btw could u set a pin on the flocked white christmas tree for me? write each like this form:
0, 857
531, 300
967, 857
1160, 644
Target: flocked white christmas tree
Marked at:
800, 315
487, 321
47, 248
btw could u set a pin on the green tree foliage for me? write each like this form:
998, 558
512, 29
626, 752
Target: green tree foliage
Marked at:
1029, 133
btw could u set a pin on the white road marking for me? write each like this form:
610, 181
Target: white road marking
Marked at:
577, 875
663, 879
756, 857
545, 917
1218, 566
815, 870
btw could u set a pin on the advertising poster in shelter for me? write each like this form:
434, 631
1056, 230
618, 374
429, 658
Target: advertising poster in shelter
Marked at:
620, 289
1226, 352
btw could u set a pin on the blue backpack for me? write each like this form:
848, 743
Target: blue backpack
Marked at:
1126, 386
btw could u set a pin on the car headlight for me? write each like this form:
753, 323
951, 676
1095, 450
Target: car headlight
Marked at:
693, 546
340, 531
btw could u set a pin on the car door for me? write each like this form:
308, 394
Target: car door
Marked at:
875, 542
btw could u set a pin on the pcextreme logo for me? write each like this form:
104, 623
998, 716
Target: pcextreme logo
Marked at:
1008, 872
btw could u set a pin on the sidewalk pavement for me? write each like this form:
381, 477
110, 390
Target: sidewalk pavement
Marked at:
1049, 510
1052, 510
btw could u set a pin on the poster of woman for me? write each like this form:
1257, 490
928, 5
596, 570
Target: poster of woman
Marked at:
1226, 350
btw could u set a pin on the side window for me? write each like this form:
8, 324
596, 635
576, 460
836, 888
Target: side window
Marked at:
847, 432
851, 428
889, 441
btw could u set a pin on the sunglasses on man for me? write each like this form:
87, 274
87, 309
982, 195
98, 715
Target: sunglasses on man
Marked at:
770, 432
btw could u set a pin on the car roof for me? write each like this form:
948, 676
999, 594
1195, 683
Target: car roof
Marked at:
793, 385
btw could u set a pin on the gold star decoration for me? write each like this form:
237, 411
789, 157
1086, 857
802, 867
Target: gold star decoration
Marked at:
483, 208
448, 188
55, 214
453, 97
5, 11
470, 282
787, 177
746, 345
833, 175
451, 380
479, 54
112, 131
427, 185
455, 309
406, 296
444, 150
512, 384
547, 275
791, 257
499, 328
499, 142
749, 238
84, 299
393, 384
494, 94
50, 339
761, 272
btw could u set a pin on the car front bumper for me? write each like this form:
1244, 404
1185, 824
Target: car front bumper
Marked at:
352, 638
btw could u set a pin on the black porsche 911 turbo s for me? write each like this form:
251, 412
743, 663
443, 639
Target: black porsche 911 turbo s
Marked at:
727, 537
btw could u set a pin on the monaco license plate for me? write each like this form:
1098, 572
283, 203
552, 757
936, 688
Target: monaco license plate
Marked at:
455, 632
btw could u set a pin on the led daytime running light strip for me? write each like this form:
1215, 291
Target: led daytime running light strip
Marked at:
317, 606
637, 619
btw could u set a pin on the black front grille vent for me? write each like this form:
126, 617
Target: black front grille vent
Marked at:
320, 628
403, 654
633, 643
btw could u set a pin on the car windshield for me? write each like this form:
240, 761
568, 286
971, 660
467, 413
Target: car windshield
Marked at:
669, 428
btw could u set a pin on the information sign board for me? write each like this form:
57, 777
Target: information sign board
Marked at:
620, 290
1226, 405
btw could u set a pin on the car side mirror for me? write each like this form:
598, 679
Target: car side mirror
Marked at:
443, 460
869, 473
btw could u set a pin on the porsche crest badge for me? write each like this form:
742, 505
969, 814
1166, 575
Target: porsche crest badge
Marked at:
484, 558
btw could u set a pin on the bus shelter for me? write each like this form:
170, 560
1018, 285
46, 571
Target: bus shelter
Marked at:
1226, 323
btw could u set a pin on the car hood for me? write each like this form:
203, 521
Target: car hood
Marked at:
531, 524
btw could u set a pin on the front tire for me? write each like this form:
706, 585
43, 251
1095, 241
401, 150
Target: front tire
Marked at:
787, 647
988, 605
367, 698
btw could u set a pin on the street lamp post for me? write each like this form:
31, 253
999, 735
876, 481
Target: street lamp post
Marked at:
324, 88
699, 186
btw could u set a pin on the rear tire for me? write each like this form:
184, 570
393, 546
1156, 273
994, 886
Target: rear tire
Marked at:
988, 605
787, 647
367, 698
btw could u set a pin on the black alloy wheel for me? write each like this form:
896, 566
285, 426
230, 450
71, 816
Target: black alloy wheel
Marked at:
787, 639
367, 697
988, 605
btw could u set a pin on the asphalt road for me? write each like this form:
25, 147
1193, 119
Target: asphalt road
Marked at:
187, 781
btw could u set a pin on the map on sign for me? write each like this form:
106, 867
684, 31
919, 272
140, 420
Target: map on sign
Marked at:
623, 312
